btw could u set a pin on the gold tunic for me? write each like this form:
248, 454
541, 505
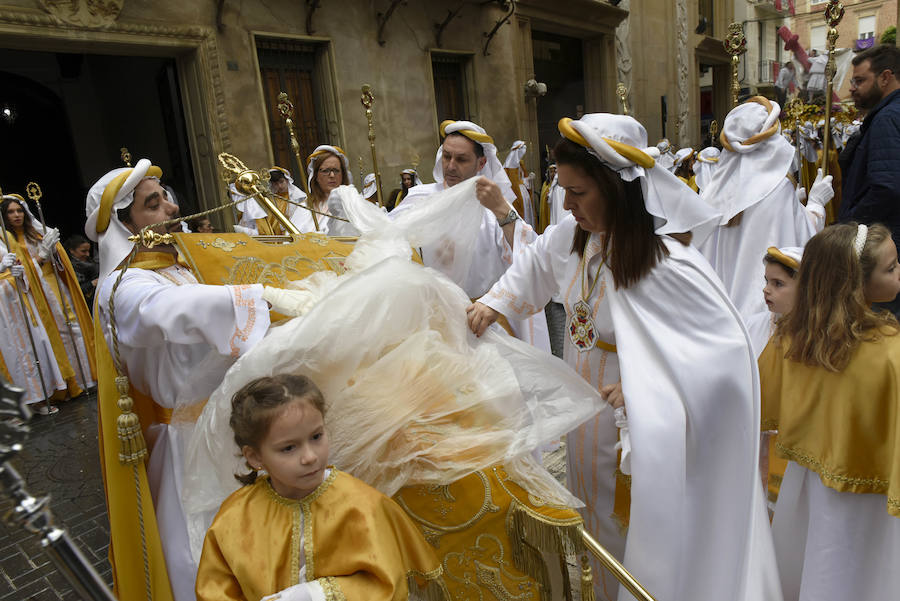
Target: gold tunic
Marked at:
356, 542
845, 425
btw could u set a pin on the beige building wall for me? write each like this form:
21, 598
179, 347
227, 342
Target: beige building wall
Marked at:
222, 90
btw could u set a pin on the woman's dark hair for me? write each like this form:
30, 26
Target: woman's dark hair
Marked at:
631, 248
31, 234
685, 168
254, 407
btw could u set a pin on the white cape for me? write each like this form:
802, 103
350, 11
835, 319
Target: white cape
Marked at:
699, 529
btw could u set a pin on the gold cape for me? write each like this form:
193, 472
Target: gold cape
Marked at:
357, 543
126, 486
45, 315
845, 425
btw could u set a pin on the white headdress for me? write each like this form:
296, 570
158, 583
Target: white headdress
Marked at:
620, 142
753, 162
112, 192
516, 153
682, 154
368, 185
705, 166
319, 154
417, 181
492, 169
294, 192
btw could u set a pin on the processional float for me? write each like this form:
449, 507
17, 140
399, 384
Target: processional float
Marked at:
240, 259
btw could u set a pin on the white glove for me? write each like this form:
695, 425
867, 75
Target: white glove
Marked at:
821, 191
18, 271
8, 260
305, 591
624, 440
801, 194
292, 303
240, 229
46, 246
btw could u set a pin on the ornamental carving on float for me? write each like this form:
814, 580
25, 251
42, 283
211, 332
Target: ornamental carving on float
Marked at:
85, 13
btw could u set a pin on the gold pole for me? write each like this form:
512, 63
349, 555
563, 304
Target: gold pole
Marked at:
622, 93
286, 108
617, 569
368, 99
735, 44
834, 12
713, 131
362, 176
247, 182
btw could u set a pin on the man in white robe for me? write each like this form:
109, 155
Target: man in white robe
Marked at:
758, 203
513, 165
176, 338
467, 151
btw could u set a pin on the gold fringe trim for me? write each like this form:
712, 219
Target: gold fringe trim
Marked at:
432, 589
531, 534
331, 589
132, 447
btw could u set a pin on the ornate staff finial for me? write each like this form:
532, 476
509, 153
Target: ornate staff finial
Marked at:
368, 99
126, 156
622, 93
735, 44
286, 109
834, 12
713, 131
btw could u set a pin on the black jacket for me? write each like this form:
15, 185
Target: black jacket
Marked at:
871, 183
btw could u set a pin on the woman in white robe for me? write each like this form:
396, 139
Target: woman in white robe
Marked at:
646, 309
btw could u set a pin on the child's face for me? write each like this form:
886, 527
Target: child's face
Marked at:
295, 450
780, 289
884, 282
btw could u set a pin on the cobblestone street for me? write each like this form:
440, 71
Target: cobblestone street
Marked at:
59, 459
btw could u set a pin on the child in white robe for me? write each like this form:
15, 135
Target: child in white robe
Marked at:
830, 384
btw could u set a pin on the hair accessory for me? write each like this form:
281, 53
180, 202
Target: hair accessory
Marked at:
862, 232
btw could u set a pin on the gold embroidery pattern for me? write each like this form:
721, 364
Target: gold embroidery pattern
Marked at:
432, 586
257, 270
876, 485
470, 568
487, 505
504, 295
242, 334
295, 545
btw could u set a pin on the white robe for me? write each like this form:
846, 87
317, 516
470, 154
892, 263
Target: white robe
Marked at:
176, 341
699, 529
736, 253
832, 545
15, 345
492, 258
555, 198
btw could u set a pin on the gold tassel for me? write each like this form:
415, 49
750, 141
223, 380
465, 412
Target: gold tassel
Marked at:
133, 448
587, 580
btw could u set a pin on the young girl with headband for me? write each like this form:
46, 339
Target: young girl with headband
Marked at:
831, 386
300, 530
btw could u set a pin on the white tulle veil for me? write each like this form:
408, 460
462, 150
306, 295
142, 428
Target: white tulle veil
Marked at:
412, 397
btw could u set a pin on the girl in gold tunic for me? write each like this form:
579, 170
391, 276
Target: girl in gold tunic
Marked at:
305, 531
830, 383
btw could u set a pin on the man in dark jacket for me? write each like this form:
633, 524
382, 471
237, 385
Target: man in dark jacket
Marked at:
871, 172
